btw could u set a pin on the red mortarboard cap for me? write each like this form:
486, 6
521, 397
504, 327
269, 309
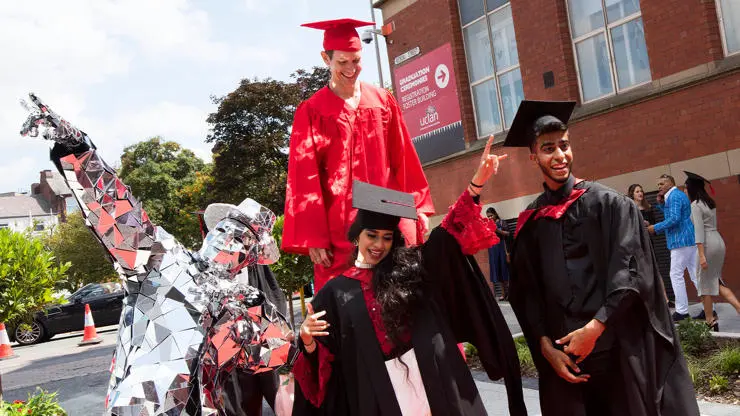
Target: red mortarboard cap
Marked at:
340, 34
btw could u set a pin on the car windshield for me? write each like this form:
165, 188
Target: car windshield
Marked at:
95, 289
82, 292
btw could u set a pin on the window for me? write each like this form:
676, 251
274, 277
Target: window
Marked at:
4, 225
493, 63
729, 23
71, 204
38, 227
609, 43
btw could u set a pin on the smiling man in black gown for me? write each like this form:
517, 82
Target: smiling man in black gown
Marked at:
586, 289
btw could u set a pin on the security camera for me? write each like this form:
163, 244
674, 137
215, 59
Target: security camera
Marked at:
367, 36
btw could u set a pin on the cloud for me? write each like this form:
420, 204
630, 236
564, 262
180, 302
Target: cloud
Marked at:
66, 50
23, 166
175, 122
126, 70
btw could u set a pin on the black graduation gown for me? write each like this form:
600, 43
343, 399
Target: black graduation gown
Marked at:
244, 391
594, 259
460, 308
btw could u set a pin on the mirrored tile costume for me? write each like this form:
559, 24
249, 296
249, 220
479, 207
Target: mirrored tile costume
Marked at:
186, 322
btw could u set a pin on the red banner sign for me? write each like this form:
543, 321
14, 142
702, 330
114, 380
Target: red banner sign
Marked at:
427, 93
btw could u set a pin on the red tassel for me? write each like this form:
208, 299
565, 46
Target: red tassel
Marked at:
711, 189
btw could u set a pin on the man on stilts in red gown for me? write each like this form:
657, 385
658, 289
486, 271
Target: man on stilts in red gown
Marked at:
347, 131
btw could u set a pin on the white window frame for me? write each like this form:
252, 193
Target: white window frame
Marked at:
496, 73
607, 30
721, 21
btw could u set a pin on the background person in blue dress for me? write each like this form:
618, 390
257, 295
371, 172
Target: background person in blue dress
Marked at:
498, 255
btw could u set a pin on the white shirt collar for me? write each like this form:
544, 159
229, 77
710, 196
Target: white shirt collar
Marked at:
360, 265
669, 192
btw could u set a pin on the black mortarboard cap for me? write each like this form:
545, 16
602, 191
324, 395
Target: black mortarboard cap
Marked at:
532, 116
695, 177
381, 208
698, 179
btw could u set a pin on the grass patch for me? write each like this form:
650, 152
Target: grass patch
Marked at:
726, 361
525, 357
713, 364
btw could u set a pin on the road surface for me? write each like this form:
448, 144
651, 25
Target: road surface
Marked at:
81, 374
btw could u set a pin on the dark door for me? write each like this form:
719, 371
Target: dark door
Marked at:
662, 254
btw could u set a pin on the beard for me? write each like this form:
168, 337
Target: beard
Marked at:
546, 171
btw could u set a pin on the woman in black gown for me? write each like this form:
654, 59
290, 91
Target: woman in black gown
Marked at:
383, 340
637, 194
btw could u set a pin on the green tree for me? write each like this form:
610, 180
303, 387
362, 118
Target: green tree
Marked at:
310, 82
73, 243
291, 271
157, 171
28, 275
251, 130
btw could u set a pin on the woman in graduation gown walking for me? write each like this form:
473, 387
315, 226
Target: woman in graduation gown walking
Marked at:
382, 340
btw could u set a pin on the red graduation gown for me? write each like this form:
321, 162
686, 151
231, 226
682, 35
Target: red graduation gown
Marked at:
331, 145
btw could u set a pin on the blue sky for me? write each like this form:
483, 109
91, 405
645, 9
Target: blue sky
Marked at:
126, 70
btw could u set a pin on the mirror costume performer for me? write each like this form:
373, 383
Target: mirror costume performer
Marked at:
187, 322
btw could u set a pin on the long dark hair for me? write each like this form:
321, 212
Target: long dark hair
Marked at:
697, 192
631, 194
398, 284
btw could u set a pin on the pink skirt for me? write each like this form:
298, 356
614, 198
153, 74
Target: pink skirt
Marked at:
408, 386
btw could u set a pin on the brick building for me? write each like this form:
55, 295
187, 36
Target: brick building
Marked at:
657, 84
48, 203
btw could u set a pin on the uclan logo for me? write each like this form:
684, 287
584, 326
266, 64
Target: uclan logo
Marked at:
431, 117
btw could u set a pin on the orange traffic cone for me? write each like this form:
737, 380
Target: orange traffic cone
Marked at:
91, 335
6, 352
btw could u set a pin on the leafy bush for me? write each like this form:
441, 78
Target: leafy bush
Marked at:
42, 403
718, 384
73, 243
695, 336
525, 356
470, 350
292, 271
726, 361
28, 275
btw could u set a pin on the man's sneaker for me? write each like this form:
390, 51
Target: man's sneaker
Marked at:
680, 316
702, 315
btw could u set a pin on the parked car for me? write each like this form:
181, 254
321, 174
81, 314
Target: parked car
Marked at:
105, 300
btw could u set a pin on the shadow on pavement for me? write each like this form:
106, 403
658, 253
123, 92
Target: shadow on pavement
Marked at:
64, 359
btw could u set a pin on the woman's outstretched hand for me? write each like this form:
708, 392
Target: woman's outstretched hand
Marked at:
488, 167
313, 327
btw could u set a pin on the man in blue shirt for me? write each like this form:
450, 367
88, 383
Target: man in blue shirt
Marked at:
679, 232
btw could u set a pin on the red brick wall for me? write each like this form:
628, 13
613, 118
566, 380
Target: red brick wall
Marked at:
544, 44
680, 34
430, 24
696, 121
690, 123
728, 222
683, 125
